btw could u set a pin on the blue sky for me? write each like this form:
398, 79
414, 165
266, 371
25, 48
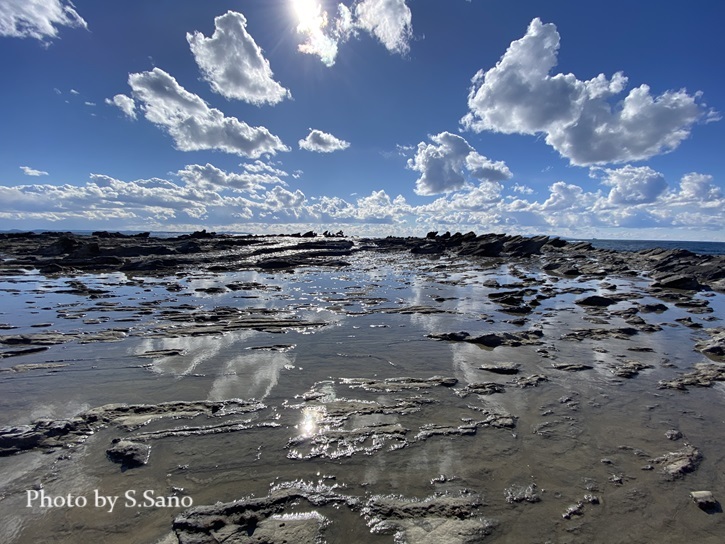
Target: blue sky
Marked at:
375, 117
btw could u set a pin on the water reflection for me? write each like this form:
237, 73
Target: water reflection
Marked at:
191, 352
312, 417
250, 376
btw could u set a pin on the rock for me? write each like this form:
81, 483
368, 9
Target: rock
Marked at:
493, 340
571, 367
622, 333
688, 322
596, 300
673, 434
678, 463
714, 348
656, 307
483, 388
129, 454
629, 369
524, 247
529, 381
678, 281
451, 336
704, 375
19, 352
520, 493
501, 368
705, 500
428, 249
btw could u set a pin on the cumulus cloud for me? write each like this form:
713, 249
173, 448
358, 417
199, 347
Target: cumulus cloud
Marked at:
260, 167
520, 96
322, 142
193, 124
633, 184
447, 164
202, 199
32, 171
233, 63
37, 19
210, 177
389, 21
698, 187
125, 103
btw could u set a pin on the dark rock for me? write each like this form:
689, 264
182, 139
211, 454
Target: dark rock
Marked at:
63, 245
656, 307
596, 300
428, 249
571, 367
524, 247
188, 247
706, 501
678, 281
129, 454
557, 242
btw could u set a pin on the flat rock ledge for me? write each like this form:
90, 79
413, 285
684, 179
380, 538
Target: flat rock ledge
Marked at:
295, 512
48, 434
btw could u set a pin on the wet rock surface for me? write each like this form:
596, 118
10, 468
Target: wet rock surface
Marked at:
321, 388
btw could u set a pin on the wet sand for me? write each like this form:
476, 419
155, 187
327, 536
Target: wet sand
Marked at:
398, 396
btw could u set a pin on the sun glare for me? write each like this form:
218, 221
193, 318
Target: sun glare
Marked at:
309, 13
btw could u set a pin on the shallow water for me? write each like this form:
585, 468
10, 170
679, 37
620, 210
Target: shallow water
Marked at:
579, 433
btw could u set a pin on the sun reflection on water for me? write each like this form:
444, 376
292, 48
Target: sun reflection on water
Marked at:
312, 417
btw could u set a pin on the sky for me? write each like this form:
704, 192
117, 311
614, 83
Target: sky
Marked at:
374, 117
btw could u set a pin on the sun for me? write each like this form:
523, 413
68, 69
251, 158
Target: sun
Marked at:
309, 14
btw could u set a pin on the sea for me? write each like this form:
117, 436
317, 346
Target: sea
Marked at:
703, 248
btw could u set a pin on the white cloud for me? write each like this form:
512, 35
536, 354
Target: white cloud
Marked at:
233, 63
698, 187
192, 123
201, 199
73, 91
260, 167
390, 21
523, 189
633, 184
125, 103
37, 19
447, 163
32, 171
322, 142
280, 198
519, 96
212, 178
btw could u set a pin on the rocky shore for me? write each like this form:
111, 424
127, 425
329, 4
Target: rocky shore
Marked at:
312, 388
67, 253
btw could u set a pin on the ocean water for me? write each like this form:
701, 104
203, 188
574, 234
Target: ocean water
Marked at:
704, 248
